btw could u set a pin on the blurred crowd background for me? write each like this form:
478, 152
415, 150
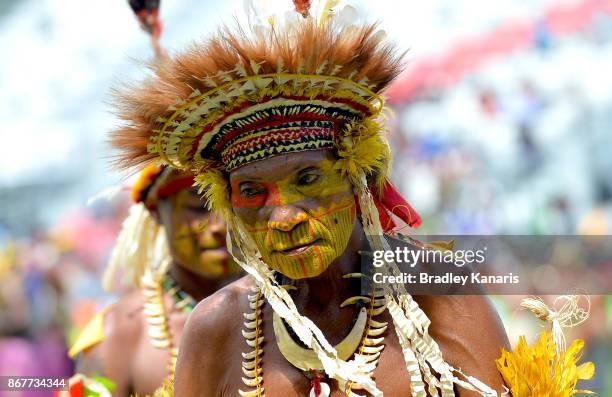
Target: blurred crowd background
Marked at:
503, 125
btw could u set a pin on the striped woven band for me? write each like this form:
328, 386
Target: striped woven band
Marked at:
281, 127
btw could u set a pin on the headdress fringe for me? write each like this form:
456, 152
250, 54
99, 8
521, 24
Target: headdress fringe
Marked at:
141, 243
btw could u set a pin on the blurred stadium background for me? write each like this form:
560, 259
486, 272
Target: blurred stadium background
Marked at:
503, 125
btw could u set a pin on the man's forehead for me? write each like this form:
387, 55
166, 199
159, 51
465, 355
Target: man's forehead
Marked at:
189, 194
280, 166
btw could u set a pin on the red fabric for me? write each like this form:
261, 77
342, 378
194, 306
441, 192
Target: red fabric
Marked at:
174, 186
392, 202
150, 21
302, 6
316, 385
386, 221
315, 381
77, 389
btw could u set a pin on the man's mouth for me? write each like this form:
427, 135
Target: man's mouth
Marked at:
210, 243
210, 247
298, 249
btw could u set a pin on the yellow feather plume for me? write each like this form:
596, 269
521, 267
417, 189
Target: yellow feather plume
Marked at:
213, 185
539, 371
363, 149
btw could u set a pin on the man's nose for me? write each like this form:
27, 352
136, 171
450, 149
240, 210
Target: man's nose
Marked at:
216, 225
211, 224
286, 217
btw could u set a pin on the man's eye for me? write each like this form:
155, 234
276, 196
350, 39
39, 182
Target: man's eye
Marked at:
248, 190
308, 179
198, 208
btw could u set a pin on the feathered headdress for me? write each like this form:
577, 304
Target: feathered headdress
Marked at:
312, 83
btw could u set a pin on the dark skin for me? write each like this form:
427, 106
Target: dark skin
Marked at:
466, 328
126, 355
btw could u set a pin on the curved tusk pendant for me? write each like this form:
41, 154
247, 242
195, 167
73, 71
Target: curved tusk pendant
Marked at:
352, 275
306, 359
252, 315
376, 324
253, 334
251, 393
378, 311
377, 331
252, 382
355, 299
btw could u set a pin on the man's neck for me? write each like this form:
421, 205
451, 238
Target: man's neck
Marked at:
198, 286
329, 287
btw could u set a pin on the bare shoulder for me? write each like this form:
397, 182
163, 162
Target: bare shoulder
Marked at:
217, 312
125, 319
462, 314
469, 332
122, 328
207, 346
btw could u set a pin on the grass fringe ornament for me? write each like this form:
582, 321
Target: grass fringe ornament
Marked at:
141, 242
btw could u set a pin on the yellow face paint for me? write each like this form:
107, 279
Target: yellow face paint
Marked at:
308, 249
197, 237
309, 221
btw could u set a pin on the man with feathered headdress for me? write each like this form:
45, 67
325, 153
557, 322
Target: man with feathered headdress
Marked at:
284, 131
172, 254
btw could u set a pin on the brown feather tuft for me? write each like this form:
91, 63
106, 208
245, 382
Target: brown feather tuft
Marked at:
302, 7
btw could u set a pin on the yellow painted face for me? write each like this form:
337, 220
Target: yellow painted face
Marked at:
196, 236
298, 209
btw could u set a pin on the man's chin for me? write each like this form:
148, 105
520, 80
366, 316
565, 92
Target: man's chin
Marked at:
313, 274
212, 263
298, 271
